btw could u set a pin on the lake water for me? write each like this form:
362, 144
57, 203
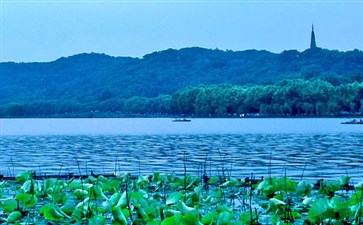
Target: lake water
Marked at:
316, 148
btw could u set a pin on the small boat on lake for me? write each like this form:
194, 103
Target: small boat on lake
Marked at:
181, 120
354, 121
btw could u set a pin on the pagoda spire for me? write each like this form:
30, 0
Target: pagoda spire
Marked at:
312, 41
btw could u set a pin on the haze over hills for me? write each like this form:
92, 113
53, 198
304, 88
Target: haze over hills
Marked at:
92, 78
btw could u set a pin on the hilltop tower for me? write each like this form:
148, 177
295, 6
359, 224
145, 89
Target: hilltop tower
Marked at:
312, 40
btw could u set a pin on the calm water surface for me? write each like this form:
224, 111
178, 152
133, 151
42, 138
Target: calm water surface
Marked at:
324, 147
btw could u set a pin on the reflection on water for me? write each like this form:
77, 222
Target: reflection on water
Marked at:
322, 155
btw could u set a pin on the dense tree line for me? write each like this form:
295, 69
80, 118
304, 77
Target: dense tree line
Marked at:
286, 98
295, 97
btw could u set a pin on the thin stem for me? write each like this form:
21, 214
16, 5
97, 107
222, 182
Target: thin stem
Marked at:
185, 175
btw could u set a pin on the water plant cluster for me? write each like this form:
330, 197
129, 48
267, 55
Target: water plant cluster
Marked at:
168, 199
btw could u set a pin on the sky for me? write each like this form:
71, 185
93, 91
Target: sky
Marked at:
41, 31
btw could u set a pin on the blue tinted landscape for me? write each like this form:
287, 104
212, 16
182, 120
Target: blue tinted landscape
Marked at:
181, 112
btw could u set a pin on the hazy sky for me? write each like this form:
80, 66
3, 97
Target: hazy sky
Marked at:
47, 30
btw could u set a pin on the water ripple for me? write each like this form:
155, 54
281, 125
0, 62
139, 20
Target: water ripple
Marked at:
322, 156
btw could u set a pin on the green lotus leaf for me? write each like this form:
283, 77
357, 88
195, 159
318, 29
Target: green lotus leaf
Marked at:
112, 186
307, 200
68, 207
269, 186
344, 180
357, 210
342, 209
173, 220
330, 187
91, 180
87, 186
97, 220
318, 208
156, 177
80, 194
14, 216
209, 218
245, 217
83, 204
28, 200
143, 193
153, 209
28, 186
304, 188
75, 184
356, 198
117, 216
173, 198
111, 202
24, 176
9, 205
143, 180
224, 218
102, 179
359, 186
50, 182
122, 202
137, 197
214, 180
4, 184
170, 212
77, 214
152, 222
190, 219
60, 197
182, 207
287, 185
52, 212
126, 178
96, 192
192, 181
171, 177
141, 212
224, 208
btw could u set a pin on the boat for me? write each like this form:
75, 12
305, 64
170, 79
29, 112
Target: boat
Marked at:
181, 120
354, 121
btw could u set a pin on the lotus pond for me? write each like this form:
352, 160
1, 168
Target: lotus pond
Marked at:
186, 200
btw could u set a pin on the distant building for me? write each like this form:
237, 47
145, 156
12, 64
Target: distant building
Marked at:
312, 41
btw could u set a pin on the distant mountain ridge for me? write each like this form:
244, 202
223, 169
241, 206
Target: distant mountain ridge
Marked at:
96, 77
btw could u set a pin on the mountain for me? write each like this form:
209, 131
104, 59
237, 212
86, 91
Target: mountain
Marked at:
97, 77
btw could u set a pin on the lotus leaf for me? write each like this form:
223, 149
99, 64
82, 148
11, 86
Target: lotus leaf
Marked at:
14, 216
80, 194
9, 205
359, 186
304, 188
122, 202
28, 200
24, 176
173, 198
344, 180
225, 218
249, 218
52, 212
97, 220
118, 216
172, 220
96, 192
318, 208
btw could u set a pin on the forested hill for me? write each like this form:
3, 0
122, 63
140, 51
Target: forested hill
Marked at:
95, 77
